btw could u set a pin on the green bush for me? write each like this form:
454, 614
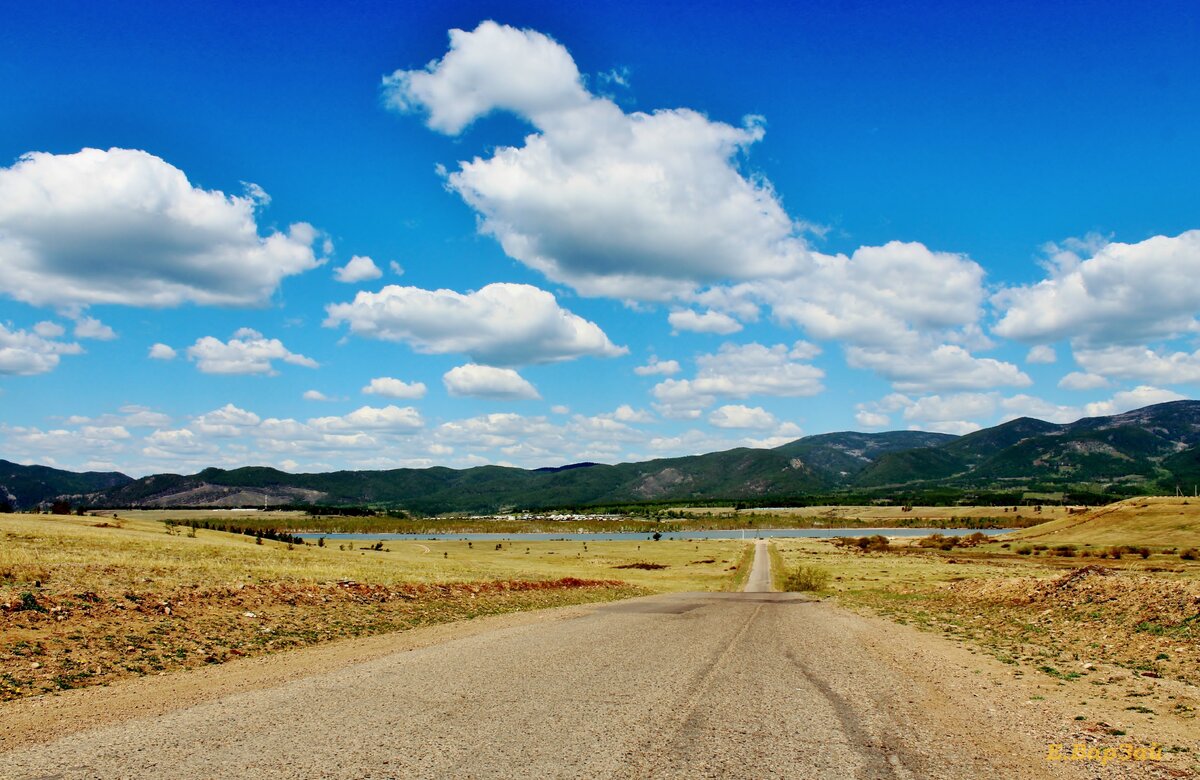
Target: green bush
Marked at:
807, 578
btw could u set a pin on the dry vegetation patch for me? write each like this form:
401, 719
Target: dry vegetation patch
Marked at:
1148, 624
55, 641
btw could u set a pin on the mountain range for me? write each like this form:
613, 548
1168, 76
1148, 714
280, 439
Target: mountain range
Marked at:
1149, 450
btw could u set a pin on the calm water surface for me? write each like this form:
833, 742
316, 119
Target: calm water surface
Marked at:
758, 533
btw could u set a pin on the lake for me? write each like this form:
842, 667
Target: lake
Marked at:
758, 533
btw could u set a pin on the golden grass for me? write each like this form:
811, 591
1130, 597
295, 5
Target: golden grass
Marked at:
857, 572
71, 554
1154, 522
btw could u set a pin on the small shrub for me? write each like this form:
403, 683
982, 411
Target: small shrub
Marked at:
876, 543
1024, 550
1064, 551
1190, 554
807, 578
935, 540
29, 602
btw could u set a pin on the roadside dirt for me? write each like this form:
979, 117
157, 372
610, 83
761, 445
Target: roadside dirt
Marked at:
53, 642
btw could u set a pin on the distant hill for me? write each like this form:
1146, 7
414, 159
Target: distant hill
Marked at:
808, 465
1146, 447
27, 486
1155, 449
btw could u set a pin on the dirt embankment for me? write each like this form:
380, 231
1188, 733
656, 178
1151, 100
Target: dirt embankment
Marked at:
1148, 624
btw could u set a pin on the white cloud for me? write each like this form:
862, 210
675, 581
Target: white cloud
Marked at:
708, 322
388, 387
396, 268
871, 419
315, 395
493, 67
248, 352
134, 416
1141, 363
92, 328
740, 371
175, 442
1077, 380
106, 432
637, 206
739, 416
804, 350
1143, 395
560, 409
1098, 292
228, 421
488, 382
965, 412
390, 418
659, 367
938, 409
49, 330
627, 414
784, 434
162, 352
124, 227
694, 442
502, 324
960, 413
942, 413
359, 269
1029, 406
879, 295
1041, 354
945, 367
25, 353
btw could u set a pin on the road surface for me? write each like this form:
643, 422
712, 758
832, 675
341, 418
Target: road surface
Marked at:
695, 685
759, 580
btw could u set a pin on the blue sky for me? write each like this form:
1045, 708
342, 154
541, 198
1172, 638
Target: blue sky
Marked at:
605, 231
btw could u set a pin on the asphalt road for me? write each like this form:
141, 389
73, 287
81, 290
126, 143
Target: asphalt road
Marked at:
759, 580
698, 685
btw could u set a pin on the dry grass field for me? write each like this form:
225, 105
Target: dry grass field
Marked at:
88, 600
1157, 522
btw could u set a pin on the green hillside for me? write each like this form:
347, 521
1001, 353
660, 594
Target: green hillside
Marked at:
27, 486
